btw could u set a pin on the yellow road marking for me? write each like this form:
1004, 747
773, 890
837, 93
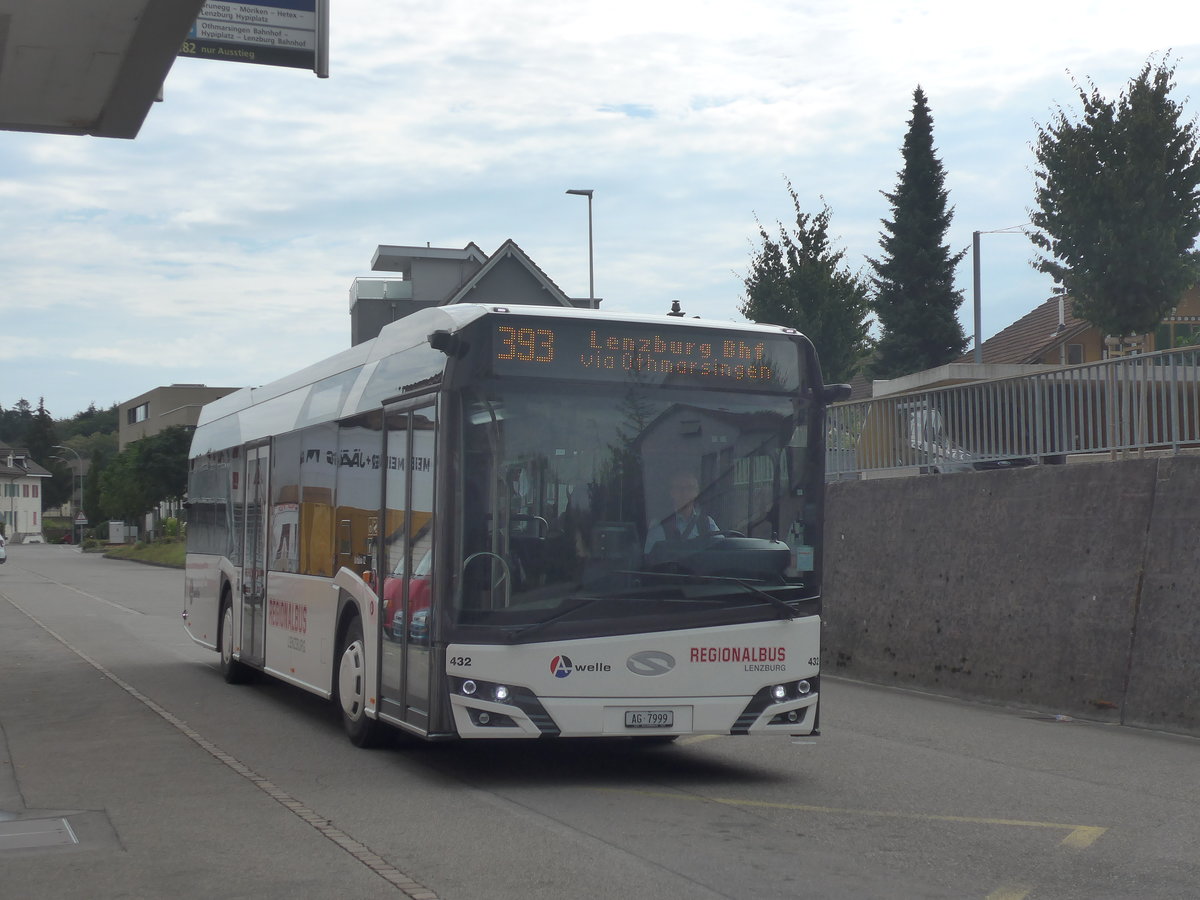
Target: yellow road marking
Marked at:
697, 738
1078, 837
1083, 837
1009, 893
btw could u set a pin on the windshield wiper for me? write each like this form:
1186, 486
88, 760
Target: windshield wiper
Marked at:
788, 611
538, 626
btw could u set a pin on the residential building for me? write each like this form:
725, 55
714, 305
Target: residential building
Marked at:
1051, 335
161, 408
438, 276
152, 412
1047, 337
20, 495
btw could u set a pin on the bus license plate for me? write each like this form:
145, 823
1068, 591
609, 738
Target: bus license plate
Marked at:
649, 718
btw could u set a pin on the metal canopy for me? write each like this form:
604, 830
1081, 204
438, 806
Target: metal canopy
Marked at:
87, 66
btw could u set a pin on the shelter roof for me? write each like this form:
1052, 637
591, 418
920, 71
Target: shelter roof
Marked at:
87, 67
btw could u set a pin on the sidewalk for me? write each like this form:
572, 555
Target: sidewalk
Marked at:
103, 797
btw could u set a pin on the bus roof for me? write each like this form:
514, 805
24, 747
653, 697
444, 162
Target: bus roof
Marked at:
363, 376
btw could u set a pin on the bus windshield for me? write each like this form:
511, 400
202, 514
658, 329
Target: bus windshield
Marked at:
593, 509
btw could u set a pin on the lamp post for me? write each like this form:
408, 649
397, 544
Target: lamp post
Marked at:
975, 294
587, 192
79, 461
1013, 229
11, 520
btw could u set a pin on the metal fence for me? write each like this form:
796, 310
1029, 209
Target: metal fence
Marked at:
1134, 403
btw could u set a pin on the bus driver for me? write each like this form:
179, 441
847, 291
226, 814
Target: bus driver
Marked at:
687, 520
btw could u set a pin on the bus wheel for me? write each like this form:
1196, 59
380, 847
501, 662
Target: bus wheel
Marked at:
352, 687
232, 670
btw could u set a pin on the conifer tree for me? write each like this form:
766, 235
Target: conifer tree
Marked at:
14, 423
41, 439
915, 299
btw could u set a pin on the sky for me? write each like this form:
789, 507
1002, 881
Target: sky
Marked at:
219, 246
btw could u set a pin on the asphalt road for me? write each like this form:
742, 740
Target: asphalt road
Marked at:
129, 769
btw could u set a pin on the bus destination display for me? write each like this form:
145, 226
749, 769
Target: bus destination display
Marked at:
614, 351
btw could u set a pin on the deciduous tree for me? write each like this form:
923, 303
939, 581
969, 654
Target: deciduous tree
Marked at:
164, 463
123, 493
145, 473
1118, 203
797, 279
92, 506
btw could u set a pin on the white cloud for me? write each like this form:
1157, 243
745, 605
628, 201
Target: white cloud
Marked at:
219, 245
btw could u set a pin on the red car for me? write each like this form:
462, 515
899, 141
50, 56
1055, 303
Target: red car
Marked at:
418, 600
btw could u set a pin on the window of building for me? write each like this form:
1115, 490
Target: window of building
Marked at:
1074, 354
1183, 332
139, 413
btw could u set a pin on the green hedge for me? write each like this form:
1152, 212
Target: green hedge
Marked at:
59, 531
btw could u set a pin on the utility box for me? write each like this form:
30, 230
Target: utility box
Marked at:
120, 533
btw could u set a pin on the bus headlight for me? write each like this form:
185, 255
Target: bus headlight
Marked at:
489, 691
803, 687
779, 693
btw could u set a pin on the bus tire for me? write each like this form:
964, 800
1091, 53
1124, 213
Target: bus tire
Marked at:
232, 671
350, 687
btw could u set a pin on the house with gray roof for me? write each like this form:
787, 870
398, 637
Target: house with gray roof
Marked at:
20, 495
420, 277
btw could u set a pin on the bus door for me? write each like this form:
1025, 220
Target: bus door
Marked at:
254, 556
407, 562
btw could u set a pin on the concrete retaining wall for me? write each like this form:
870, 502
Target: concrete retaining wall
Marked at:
1067, 589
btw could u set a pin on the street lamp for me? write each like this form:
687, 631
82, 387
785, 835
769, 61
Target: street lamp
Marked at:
587, 192
79, 460
1013, 229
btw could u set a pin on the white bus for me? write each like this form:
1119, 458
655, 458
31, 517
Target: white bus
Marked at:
464, 528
